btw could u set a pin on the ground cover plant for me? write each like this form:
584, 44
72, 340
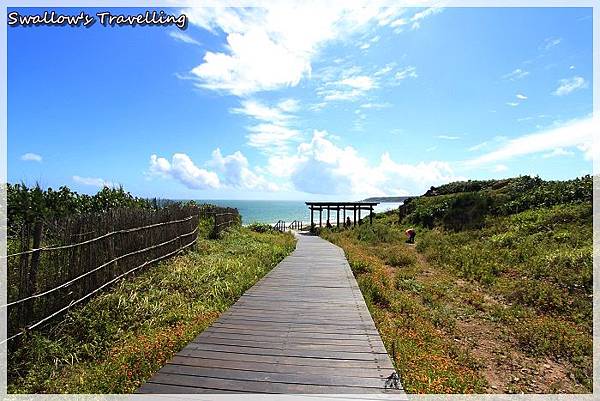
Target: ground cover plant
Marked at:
496, 296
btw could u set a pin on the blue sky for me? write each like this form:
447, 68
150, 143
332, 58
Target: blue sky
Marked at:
302, 103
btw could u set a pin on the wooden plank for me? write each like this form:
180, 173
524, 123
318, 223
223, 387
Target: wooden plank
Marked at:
255, 386
304, 328
365, 371
290, 360
289, 378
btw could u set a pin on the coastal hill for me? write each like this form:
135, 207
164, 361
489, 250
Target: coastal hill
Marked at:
393, 199
496, 294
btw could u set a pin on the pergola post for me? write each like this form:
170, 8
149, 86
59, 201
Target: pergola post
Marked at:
353, 207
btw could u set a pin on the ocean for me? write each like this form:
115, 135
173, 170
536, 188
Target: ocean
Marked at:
270, 212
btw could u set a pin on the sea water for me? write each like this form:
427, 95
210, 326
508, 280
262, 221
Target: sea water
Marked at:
270, 212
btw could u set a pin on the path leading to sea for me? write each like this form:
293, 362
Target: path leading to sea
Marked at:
303, 329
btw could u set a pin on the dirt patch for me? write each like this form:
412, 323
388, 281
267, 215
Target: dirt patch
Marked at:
506, 368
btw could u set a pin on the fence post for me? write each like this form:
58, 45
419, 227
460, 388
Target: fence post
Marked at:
33, 269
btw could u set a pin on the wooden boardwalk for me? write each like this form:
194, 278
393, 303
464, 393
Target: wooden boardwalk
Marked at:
303, 329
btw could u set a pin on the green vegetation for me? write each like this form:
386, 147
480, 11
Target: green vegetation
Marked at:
27, 204
497, 294
121, 337
261, 228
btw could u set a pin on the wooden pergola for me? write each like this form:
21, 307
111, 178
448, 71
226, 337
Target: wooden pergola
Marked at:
352, 207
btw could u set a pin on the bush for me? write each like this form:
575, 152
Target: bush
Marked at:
398, 257
466, 211
376, 233
261, 227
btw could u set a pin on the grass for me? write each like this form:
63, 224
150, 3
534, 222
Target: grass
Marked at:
120, 338
455, 310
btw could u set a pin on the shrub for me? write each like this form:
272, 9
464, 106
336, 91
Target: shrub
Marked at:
397, 257
466, 211
261, 227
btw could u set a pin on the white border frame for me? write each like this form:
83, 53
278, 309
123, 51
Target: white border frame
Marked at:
595, 4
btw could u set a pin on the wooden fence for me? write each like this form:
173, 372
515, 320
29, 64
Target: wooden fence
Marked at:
223, 218
55, 265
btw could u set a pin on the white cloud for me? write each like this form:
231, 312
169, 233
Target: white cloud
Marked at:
498, 168
568, 85
515, 74
385, 69
375, 105
91, 181
183, 37
31, 157
520, 96
512, 104
448, 137
273, 133
230, 171
418, 17
272, 138
271, 48
407, 72
550, 43
362, 83
289, 105
259, 111
321, 167
236, 173
577, 133
479, 146
558, 152
183, 169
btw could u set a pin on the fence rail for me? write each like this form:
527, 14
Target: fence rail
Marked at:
49, 273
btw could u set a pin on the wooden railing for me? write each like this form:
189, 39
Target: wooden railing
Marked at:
296, 225
280, 226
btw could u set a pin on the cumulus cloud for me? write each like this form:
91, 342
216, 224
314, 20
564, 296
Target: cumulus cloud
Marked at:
227, 171
92, 181
574, 134
182, 168
322, 167
521, 96
568, 85
31, 157
272, 48
235, 170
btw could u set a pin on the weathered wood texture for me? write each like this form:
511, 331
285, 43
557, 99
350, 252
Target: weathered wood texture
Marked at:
304, 328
